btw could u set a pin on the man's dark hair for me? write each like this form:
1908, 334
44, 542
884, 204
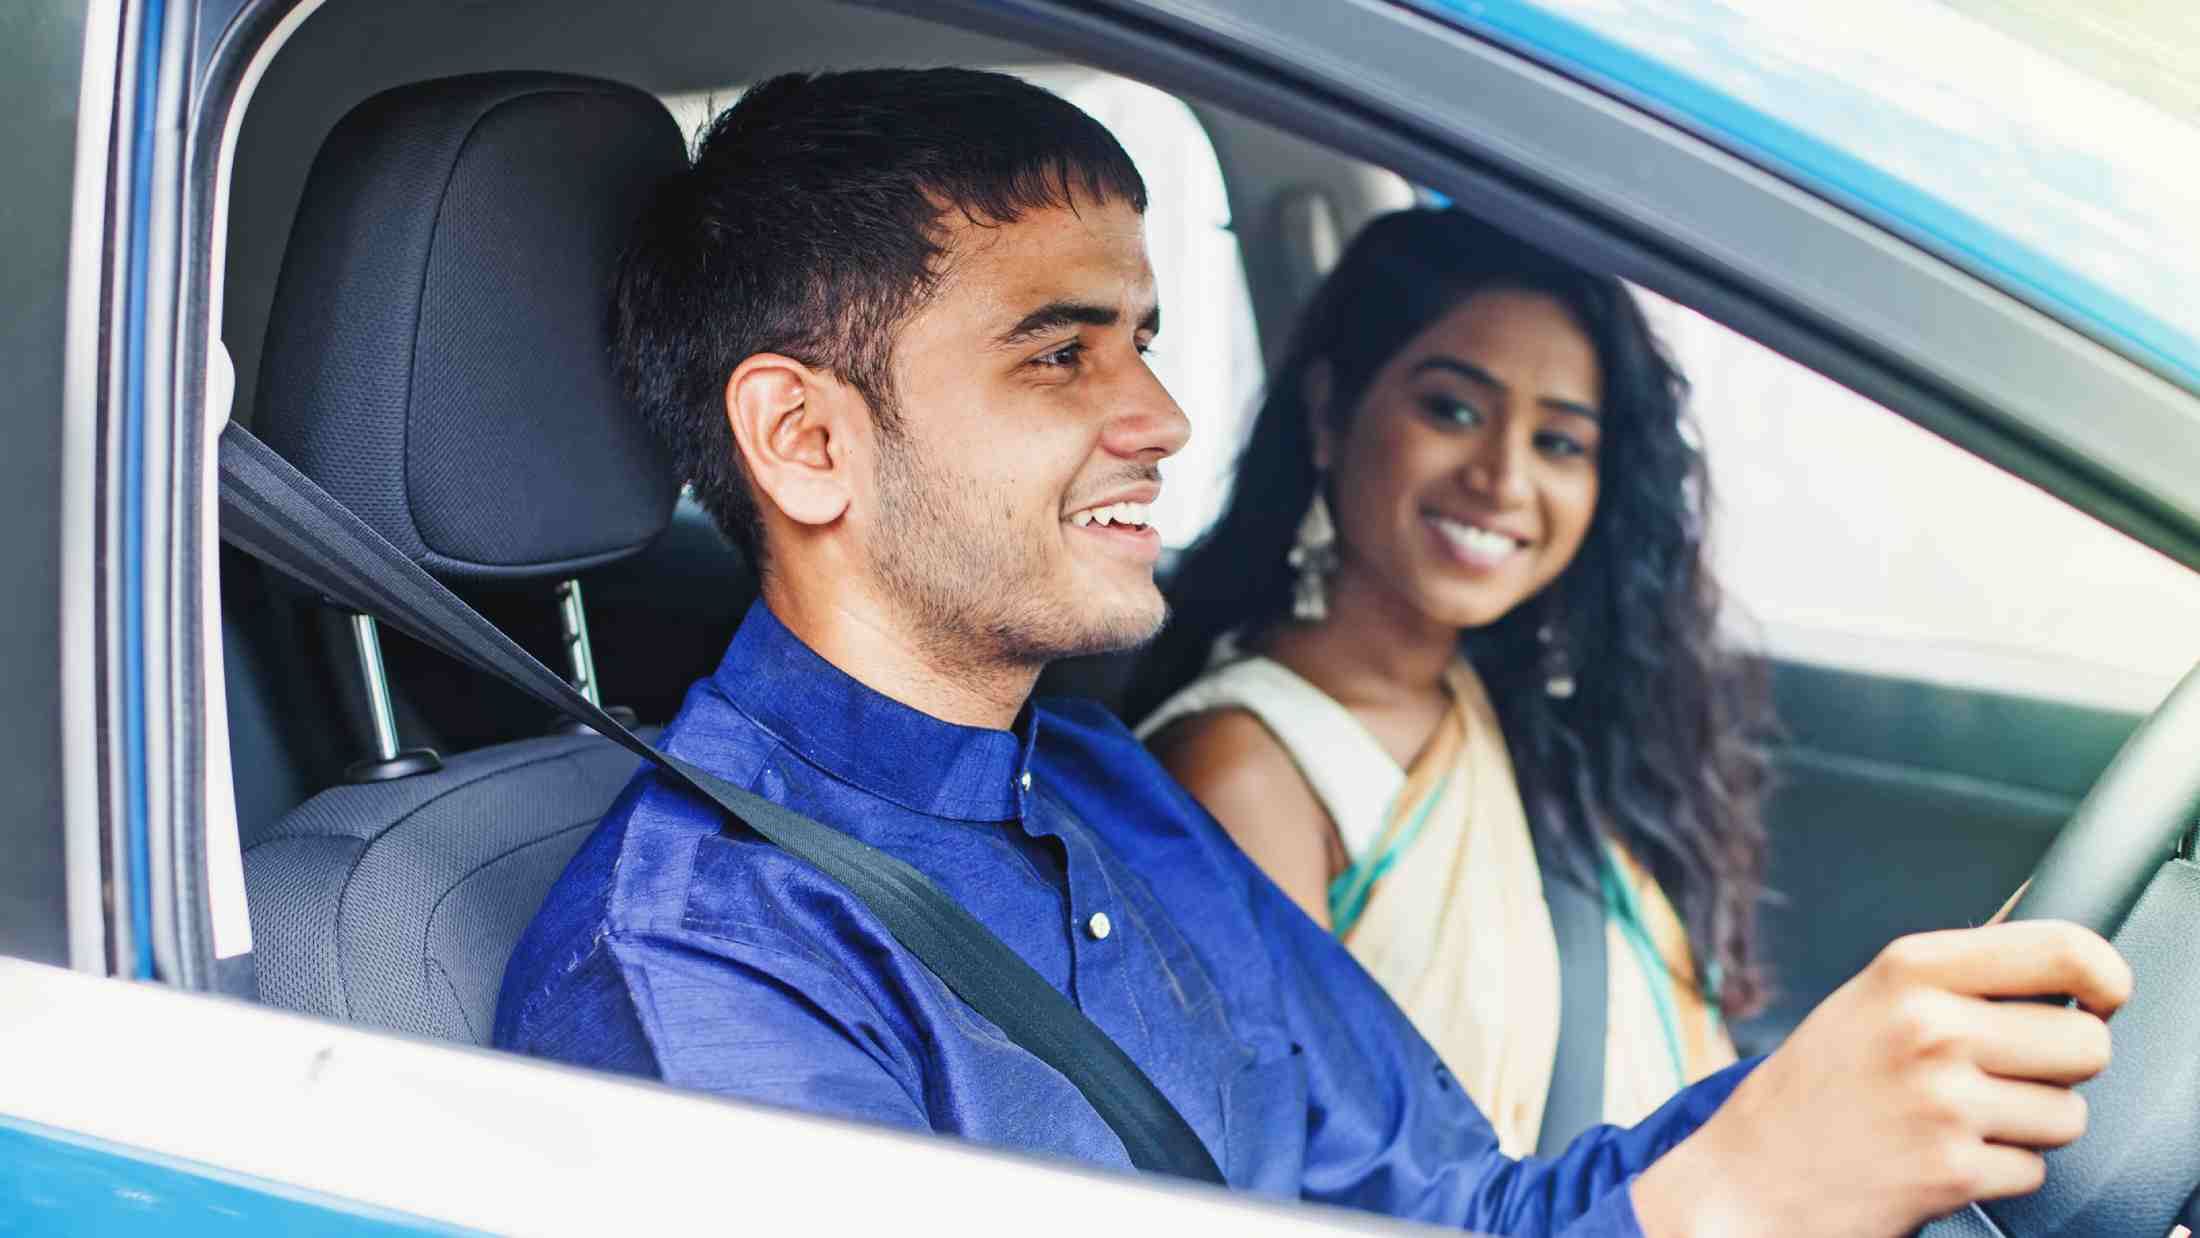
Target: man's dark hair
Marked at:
812, 225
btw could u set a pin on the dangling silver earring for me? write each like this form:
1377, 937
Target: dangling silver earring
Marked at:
1313, 556
1558, 665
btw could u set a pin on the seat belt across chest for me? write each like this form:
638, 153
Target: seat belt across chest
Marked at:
283, 518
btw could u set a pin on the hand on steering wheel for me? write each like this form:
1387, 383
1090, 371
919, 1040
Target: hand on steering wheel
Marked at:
1911, 1093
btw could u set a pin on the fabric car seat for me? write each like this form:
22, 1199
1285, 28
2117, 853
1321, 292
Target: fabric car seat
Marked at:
437, 359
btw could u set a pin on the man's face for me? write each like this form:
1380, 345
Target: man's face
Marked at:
1007, 517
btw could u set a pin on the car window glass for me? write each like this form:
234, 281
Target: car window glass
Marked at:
1846, 535
1208, 354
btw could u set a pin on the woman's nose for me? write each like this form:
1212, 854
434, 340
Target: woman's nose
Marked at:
1498, 470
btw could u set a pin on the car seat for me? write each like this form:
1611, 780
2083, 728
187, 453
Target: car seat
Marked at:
437, 359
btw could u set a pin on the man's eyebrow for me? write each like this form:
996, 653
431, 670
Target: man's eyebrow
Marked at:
1055, 315
1476, 374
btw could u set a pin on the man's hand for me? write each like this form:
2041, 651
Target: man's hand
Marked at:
1906, 1095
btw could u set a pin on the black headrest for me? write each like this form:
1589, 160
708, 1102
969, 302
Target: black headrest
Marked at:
437, 355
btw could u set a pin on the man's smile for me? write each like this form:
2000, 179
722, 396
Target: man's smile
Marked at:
1123, 523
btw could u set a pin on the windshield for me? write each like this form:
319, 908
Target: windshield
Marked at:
2052, 148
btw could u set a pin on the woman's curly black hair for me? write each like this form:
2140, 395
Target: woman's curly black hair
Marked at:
1661, 743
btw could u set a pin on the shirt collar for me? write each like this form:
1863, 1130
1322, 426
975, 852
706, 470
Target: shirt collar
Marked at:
867, 739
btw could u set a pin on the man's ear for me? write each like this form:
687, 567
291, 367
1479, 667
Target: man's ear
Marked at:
792, 442
1315, 392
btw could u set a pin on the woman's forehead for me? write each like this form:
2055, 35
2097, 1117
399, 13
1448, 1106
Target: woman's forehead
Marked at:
1510, 329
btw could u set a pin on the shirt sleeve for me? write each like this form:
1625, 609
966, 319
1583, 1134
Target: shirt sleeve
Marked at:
1391, 1131
1585, 1192
734, 1019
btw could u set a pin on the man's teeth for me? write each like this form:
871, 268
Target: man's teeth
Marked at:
1129, 515
1482, 543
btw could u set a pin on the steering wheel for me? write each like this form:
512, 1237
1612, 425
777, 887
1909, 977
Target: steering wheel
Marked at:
2123, 866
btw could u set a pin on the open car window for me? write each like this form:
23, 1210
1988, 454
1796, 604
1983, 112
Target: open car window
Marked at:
1847, 537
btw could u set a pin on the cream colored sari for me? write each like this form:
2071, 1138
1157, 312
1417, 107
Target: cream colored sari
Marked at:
1443, 904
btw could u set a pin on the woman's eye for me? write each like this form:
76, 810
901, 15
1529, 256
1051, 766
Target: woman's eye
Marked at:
1560, 446
1455, 412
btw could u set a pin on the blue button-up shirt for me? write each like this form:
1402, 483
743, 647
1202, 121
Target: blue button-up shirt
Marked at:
674, 948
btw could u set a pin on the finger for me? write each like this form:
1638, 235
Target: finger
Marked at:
2025, 1114
2050, 1044
1995, 1171
2026, 958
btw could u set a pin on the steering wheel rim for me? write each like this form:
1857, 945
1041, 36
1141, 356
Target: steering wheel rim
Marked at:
2132, 819
2102, 862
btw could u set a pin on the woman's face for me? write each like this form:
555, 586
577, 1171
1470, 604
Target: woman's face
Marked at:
1464, 482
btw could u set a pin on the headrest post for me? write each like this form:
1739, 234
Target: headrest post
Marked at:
580, 655
366, 639
388, 760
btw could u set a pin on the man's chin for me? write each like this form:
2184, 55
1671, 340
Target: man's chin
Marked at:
1127, 625
1124, 630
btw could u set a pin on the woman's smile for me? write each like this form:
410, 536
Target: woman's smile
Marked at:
1476, 547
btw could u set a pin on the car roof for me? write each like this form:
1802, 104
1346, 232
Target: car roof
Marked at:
2058, 185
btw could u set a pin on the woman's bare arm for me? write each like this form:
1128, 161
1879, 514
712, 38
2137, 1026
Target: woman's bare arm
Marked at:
1235, 767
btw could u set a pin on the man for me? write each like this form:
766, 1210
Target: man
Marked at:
892, 325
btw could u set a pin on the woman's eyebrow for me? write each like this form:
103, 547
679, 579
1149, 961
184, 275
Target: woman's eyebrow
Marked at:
1465, 369
1476, 374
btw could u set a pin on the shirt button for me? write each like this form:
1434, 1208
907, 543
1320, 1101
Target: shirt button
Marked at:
1099, 926
1025, 781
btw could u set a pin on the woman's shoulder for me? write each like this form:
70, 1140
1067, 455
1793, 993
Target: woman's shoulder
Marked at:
1249, 684
1223, 746
1254, 788
1259, 713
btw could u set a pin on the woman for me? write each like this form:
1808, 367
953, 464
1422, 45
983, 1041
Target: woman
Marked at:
1461, 578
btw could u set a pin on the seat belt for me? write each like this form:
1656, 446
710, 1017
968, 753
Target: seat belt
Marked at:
1575, 1101
280, 516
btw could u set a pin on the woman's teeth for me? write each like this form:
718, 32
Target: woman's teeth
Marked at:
1475, 544
1128, 515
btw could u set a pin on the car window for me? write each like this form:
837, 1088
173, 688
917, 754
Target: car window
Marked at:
1846, 535
1208, 354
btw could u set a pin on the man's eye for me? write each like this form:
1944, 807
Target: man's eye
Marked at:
1061, 358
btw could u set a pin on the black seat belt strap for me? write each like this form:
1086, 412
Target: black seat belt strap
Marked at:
1575, 1101
278, 515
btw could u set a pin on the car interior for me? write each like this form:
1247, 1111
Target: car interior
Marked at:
386, 887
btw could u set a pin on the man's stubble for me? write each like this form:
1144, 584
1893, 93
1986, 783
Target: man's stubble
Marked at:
974, 583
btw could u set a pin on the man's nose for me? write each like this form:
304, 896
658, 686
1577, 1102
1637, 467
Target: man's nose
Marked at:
1146, 423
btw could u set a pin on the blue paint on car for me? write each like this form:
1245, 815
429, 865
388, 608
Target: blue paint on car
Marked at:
2114, 316
61, 1184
